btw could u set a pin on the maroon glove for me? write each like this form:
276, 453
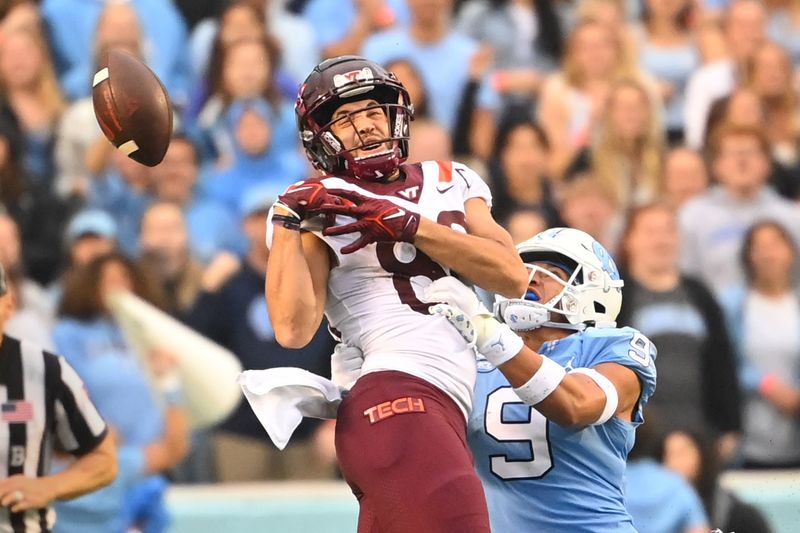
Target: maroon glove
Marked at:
300, 201
378, 220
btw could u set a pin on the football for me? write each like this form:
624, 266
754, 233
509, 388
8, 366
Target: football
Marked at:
132, 107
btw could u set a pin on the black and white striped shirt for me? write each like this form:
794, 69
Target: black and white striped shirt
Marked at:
44, 405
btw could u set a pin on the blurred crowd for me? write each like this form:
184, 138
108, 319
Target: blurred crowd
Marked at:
667, 129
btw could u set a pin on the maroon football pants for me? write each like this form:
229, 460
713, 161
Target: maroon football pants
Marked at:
401, 445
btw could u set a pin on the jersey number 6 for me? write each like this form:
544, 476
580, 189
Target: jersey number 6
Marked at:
403, 270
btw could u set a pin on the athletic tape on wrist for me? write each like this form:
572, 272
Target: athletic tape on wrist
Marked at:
543, 383
502, 346
612, 397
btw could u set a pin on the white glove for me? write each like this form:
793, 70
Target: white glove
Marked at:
451, 291
521, 315
495, 341
458, 319
346, 363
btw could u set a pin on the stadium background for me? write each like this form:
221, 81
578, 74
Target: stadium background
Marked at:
574, 111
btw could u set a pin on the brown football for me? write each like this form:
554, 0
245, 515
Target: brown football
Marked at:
132, 107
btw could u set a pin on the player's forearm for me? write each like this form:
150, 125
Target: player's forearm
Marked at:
577, 401
489, 264
89, 472
293, 308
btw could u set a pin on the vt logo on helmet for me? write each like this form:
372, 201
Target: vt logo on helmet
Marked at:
371, 148
591, 296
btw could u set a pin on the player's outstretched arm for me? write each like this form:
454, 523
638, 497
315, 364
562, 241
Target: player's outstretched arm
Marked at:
485, 256
298, 266
583, 397
296, 285
580, 398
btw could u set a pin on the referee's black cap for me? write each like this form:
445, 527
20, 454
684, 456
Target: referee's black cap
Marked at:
3, 281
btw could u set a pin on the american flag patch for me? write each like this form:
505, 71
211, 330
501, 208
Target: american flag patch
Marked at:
16, 411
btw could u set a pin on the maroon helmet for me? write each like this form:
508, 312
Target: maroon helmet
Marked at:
341, 80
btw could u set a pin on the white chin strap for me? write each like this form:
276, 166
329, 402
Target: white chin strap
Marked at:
524, 315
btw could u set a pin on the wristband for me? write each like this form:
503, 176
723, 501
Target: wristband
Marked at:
612, 396
289, 219
496, 342
286, 221
543, 382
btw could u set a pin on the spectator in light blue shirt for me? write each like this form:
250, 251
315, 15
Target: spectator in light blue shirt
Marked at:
443, 58
341, 26
667, 52
122, 191
153, 434
299, 51
659, 500
694, 457
212, 227
244, 69
71, 27
258, 159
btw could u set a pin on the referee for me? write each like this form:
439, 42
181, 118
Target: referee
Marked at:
44, 406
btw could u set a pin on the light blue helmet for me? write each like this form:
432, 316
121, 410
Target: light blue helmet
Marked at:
591, 296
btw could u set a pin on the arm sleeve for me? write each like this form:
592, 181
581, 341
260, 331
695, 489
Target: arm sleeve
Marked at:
629, 348
79, 427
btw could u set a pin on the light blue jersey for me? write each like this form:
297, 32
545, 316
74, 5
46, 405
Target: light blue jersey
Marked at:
539, 476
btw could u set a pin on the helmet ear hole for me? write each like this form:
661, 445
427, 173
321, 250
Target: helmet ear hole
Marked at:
599, 308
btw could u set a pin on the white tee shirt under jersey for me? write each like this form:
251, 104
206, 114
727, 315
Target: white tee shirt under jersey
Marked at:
374, 294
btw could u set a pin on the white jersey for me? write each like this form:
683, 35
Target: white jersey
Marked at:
374, 293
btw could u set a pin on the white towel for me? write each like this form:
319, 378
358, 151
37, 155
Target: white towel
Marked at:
281, 397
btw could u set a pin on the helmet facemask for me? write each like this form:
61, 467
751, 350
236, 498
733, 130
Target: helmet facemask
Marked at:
327, 151
589, 297
527, 313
